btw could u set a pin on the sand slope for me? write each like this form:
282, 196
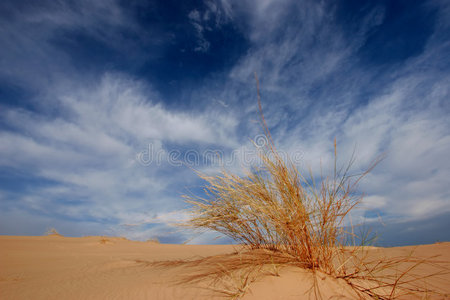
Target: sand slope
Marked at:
55, 267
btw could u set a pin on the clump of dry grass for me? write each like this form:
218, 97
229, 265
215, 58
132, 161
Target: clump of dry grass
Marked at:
153, 240
298, 221
275, 207
52, 232
105, 240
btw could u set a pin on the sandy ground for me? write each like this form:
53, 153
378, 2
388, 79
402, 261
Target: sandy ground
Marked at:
55, 267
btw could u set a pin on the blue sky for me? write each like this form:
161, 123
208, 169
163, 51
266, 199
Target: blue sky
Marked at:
106, 105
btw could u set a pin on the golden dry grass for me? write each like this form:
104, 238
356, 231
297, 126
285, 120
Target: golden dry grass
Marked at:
285, 218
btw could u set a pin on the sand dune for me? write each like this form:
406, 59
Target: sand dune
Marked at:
56, 267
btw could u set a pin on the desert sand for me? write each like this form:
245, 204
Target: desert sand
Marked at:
57, 267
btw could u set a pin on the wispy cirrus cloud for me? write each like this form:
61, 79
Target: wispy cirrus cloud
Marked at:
90, 153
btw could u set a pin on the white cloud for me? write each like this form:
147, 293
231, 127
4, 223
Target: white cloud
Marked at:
91, 152
194, 16
212, 17
196, 21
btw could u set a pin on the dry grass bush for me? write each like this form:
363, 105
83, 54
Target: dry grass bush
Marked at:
275, 208
153, 240
283, 218
52, 232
